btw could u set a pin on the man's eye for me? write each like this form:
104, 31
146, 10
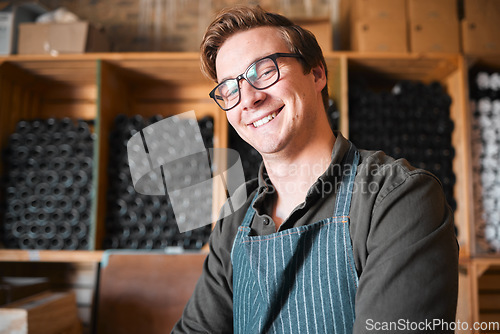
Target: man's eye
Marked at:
232, 96
268, 72
264, 72
231, 93
228, 91
234, 91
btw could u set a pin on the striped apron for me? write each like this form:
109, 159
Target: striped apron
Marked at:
300, 280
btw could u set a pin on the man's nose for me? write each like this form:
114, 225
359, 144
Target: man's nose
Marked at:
250, 96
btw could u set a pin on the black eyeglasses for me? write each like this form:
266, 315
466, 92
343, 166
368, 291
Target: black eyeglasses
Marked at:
260, 75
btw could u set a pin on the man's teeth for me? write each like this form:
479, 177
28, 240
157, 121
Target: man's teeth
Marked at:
264, 120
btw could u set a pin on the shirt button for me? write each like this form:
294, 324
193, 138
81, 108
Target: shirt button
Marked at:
266, 221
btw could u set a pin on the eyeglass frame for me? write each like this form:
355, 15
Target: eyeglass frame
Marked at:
243, 75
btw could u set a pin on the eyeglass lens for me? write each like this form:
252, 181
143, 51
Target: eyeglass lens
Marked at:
260, 75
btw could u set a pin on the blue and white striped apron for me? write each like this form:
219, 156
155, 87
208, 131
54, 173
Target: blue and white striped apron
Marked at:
300, 280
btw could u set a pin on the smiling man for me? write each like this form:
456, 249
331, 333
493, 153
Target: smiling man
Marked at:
331, 239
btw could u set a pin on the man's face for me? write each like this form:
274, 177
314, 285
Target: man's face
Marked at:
290, 107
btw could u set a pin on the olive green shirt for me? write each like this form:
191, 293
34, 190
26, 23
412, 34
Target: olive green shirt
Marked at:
404, 246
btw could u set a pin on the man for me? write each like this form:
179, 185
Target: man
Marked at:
331, 239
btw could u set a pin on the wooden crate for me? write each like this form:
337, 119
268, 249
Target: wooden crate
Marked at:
99, 87
78, 278
489, 296
145, 292
158, 84
45, 88
475, 64
15, 288
485, 288
384, 70
41, 88
44, 313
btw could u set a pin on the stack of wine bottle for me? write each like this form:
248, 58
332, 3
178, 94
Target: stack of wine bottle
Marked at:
411, 120
138, 221
485, 137
48, 185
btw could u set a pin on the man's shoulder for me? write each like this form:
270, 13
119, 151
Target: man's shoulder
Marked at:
384, 184
377, 163
381, 173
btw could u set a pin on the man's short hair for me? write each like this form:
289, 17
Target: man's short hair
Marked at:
240, 18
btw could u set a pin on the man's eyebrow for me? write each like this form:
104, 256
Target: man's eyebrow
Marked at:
251, 63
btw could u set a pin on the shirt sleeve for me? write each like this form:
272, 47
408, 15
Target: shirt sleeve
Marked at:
409, 277
209, 310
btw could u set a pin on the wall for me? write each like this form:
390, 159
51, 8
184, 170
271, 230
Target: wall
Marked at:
170, 25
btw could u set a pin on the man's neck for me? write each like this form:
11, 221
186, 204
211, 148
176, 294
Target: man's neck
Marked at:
293, 175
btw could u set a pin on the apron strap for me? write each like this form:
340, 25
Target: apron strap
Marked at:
344, 195
250, 213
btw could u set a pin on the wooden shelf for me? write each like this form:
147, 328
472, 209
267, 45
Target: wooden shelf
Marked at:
486, 261
11, 255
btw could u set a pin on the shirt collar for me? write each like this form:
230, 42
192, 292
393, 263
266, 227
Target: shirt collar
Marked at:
333, 171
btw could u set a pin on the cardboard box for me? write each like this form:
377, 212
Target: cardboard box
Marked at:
435, 36
379, 9
480, 27
480, 37
322, 28
477, 10
423, 10
379, 25
44, 313
11, 16
61, 38
433, 26
380, 35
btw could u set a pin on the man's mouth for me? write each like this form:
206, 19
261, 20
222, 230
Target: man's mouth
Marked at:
266, 119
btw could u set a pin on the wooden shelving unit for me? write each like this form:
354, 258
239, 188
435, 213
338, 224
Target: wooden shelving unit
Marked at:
98, 87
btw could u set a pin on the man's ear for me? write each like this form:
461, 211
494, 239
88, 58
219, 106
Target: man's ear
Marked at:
319, 76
